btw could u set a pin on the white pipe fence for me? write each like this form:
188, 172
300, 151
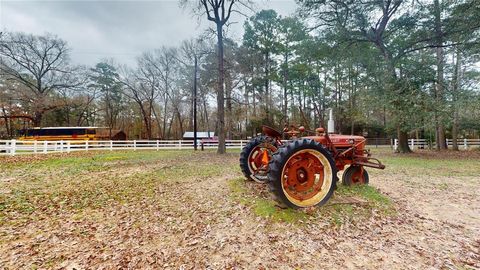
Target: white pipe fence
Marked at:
464, 144
15, 147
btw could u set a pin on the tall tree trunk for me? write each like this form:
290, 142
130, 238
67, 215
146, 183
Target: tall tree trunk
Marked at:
37, 118
165, 117
170, 126
292, 105
402, 141
7, 128
180, 122
324, 104
8, 122
285, 83
148, 129
149, 119
220, 92
403, 146
190, 113
455, 91
205, 112
254, 100
267, 96
157, 120
439, 91
228, 91
247, 106
384, 116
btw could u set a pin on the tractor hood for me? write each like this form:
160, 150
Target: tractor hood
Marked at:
340, 141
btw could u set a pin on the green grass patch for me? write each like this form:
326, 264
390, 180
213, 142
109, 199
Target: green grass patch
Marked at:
339, 213
349, 204
239, 191
366, 192
356, 203
262, 206
430, 165
268, 208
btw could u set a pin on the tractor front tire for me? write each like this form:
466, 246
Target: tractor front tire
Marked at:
353, 176
302, 174
250, 162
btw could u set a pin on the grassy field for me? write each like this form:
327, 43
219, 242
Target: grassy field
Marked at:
173, 209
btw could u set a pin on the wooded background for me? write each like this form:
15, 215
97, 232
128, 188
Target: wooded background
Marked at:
391, 68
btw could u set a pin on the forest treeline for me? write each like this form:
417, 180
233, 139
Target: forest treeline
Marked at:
392, 68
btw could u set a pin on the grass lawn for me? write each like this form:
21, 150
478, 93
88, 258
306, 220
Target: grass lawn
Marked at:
171, 209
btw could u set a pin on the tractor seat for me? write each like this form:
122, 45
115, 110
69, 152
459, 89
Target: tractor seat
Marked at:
269, 131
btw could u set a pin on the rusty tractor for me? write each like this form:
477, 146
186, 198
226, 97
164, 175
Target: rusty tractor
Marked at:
302, 172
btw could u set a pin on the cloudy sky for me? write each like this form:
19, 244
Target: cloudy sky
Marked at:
116, 29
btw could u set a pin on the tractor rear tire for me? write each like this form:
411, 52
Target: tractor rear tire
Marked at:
302, 174
351, 176
247, 165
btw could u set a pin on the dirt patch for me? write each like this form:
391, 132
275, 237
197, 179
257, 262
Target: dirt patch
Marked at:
186, 217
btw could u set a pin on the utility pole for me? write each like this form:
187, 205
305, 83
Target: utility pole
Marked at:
195, 104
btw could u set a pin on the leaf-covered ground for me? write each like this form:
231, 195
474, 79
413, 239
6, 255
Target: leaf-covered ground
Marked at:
179, 209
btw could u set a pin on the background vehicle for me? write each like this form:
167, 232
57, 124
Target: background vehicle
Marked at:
71, 133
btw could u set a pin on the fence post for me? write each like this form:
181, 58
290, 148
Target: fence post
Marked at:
180, 144
68, 147
241, 144
395, 142
86, 145
61, 146
158, 145
134, 145
13, 146
465, 145
35, 146
111, 145
45, 146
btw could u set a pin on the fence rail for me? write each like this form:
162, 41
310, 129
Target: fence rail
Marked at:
14, 147
425, 144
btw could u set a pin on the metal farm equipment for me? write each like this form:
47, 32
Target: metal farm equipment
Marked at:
303, 171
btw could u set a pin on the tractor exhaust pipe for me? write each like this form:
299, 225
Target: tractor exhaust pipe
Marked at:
331, 123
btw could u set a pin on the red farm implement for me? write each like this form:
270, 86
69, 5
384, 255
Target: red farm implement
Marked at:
302, 172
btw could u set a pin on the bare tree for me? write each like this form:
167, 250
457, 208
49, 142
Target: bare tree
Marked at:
40, 63
153, 81
148, 86
219, 12
165, 64
141, 87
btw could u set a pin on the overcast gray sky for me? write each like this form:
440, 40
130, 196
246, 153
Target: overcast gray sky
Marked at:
116, 29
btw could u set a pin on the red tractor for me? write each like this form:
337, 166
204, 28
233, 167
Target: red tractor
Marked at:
302, 172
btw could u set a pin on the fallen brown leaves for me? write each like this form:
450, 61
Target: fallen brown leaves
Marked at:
189, 220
